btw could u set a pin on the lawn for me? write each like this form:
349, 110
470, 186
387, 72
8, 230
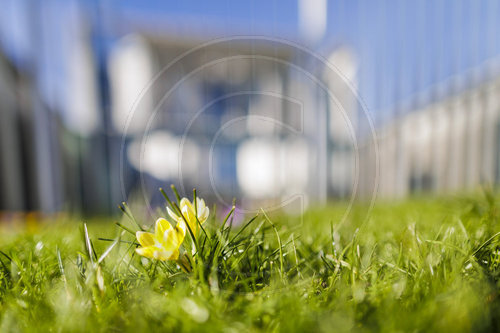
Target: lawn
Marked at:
425, 264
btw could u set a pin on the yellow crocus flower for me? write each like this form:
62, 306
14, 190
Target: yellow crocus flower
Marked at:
188, 211
164, 243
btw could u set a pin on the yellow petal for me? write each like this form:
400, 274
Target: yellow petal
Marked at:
146, 251
166, 255
185, 216
190, 218
173, 215
203, 216
170, 241
174, 255
181, 229
185, 203
161, 226
173, 238
145, 238
185, 211
200, 204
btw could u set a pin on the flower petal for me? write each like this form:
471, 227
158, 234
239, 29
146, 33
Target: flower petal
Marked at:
145, 238
147, 251
161, 226
170, 240
166, 255
188, 214
173, 238
181, 229
203, 216
172, 214
174, 255
185, 203
200, 204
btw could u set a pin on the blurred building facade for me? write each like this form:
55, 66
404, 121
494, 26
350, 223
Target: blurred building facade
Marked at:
448, 145
104, 101
234, 117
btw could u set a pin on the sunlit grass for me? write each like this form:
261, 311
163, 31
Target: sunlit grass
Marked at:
418, 265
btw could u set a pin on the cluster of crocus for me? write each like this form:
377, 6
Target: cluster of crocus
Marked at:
165, 242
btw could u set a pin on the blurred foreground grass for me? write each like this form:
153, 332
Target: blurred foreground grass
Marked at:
419, 265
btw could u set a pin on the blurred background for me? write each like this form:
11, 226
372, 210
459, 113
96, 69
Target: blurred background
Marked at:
263, 101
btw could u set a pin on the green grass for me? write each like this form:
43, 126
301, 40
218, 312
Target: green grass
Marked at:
420, 265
